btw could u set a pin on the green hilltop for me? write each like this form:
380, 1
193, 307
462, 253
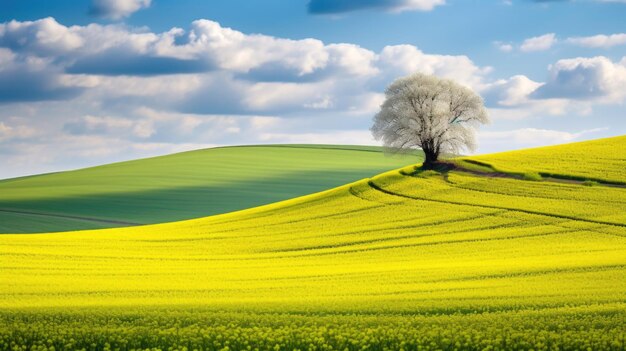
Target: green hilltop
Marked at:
183, 186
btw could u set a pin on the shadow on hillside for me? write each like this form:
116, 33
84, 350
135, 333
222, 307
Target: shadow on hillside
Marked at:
166, 205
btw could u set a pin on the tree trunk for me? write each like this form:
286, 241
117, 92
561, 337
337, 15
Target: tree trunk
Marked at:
430, 160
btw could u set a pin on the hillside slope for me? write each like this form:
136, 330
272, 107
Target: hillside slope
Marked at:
182, 186
401, 260
601, 160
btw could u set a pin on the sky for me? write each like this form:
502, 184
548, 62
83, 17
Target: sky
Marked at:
89, 82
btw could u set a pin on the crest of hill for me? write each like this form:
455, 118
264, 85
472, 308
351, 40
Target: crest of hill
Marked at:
547, 259
182, 186
601, 160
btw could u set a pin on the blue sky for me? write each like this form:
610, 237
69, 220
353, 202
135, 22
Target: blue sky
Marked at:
96, 81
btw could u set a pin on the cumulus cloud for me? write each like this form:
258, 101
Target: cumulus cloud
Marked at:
119, 50
512, 99
510, 92
15, 132
539, 43
529, 137
96, 49
236, 51
95, 125
232, 72
399, 60
599, 41
125, 63
340, 6
31, 80
116, 9
346, 137
504, 47
585, 78
573, 87
44, 37
143, 93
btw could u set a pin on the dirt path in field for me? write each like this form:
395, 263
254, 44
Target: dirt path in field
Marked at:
82, 218
446, 167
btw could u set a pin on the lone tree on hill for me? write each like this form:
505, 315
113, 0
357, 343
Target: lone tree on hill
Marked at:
427, 112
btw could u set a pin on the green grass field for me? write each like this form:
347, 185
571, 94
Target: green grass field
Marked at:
400, 261
182, 186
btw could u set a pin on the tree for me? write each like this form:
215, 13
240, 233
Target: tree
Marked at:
427, 112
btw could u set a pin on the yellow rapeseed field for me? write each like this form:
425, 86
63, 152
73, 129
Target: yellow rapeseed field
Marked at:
399, 261
602, 159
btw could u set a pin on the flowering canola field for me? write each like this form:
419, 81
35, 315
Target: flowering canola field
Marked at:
602, 160
401, 261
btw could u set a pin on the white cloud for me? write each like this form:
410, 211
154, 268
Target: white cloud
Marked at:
32, 79
573, 87
394, 6
599, 41
505, 47
528, 137
236, 51
596, 78
98, 125
271, 58
353, 137
419, 5
539, 109
323, 103
352, 59
15, 132
399, 60
44, 37
213, 69
174, 88
540, 43
142, 92
119, 50
115, 50
116, 9
510, 99
510, 92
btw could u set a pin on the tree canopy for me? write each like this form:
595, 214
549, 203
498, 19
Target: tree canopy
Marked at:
433, 114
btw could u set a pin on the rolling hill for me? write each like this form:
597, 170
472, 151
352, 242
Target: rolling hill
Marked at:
601, 160
182, 186
403, 260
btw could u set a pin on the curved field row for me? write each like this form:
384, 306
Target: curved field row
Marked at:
412, 262
601, 160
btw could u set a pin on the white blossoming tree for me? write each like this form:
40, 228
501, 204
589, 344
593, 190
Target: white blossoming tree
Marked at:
433, 114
